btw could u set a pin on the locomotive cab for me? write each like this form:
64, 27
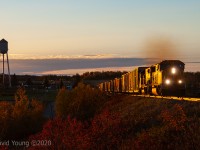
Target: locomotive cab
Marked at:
172, 82
165, 78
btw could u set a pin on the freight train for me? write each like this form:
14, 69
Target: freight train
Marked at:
164, 78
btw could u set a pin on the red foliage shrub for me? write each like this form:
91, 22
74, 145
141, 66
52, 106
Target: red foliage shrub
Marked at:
62, 134
175, 118
106, 131
103, 132
168, 135
4, 147
146, 140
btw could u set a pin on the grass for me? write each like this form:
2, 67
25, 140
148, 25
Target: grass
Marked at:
39, 94
129, 121
157, 122
42, 94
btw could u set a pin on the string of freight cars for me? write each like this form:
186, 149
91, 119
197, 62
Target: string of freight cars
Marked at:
164, 79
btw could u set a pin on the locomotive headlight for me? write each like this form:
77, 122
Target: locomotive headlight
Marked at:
180, 81
167, 81
173, 70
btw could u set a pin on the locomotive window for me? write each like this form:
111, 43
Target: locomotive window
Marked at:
153, 69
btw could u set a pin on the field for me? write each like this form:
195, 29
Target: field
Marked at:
119, 121
157, 123
98, 120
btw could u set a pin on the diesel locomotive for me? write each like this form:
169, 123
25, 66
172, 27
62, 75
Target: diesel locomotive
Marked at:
164, 78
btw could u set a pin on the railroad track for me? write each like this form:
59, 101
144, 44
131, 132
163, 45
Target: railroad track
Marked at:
172, 97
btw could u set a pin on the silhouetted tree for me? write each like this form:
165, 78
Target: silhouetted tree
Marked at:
61, 84
46, 82
14, 80
29, 81
77, 79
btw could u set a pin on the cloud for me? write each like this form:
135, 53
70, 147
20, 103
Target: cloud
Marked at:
40, 66
81, 71
35, 56
60, 65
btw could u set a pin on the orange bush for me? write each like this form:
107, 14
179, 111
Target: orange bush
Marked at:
81, 103
6, 109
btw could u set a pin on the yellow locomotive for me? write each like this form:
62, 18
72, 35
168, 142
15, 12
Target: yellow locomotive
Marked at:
164, 78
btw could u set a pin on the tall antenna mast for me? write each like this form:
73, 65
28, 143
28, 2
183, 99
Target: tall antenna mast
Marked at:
4, 50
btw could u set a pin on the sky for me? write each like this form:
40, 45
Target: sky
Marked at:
55, 29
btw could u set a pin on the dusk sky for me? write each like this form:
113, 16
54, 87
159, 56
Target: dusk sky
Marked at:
99, 28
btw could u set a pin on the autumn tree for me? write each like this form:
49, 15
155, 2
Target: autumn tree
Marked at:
82, 102
6, 109
22, 118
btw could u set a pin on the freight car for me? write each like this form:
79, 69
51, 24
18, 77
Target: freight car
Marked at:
164, 78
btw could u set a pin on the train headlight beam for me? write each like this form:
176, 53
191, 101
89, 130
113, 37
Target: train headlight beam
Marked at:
173, 70
180, 81
167, 81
